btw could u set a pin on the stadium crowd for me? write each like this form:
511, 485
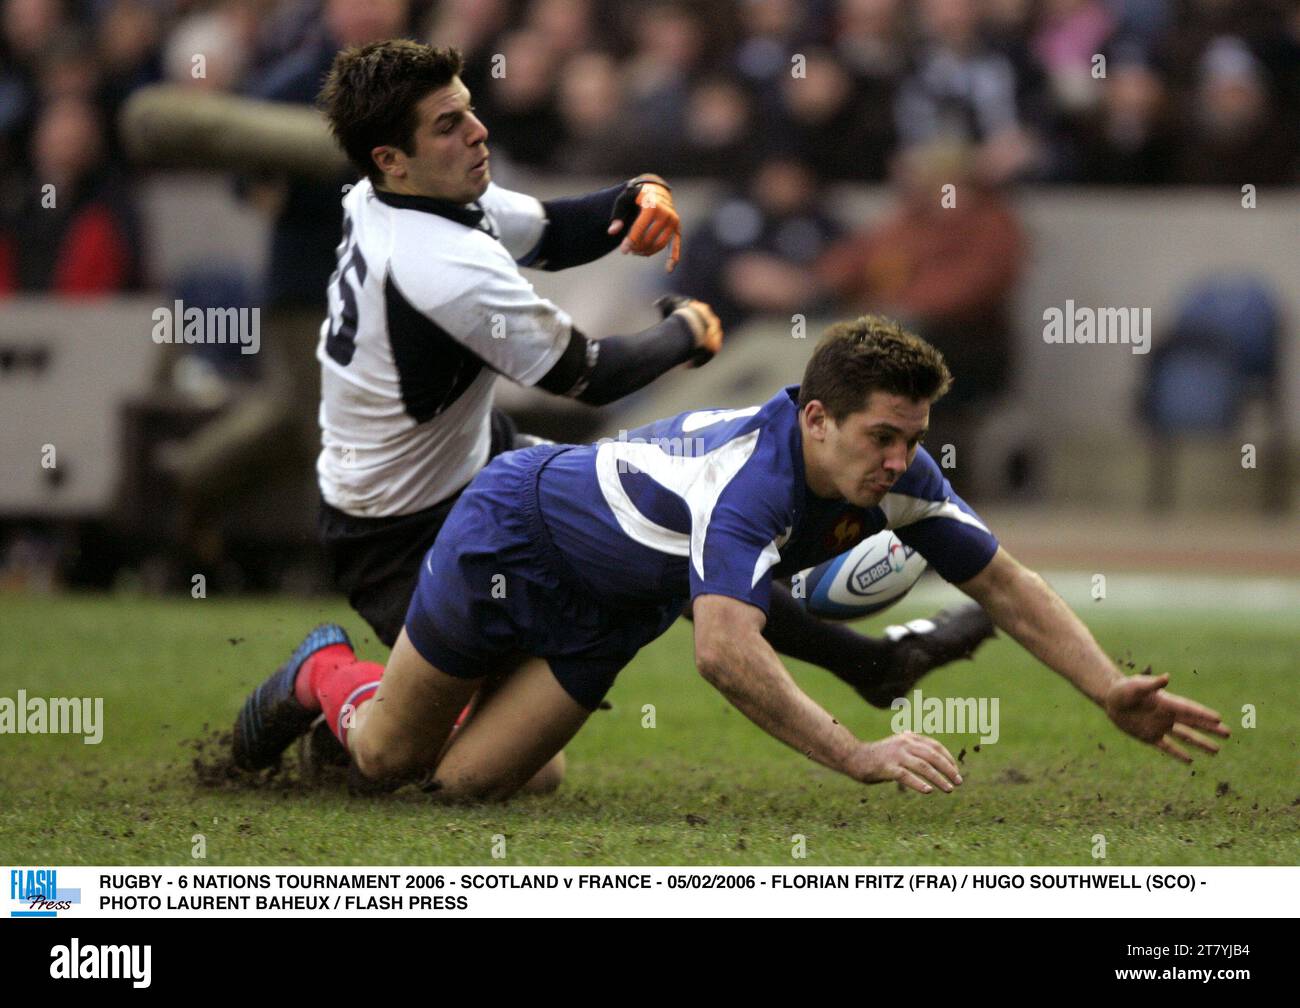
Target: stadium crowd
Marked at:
776, 100
778, 96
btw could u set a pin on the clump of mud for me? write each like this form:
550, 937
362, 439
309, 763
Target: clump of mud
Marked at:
214, 769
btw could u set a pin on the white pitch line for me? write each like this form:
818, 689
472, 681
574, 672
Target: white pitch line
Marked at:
1173, 593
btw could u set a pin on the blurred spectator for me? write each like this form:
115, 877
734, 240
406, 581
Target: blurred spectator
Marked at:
962, 90
755, 253
771, 33
567, 27
1233, 136
69, 68
590, 105
669, 42
309, 221
1130, 139
1070, 34
841, 132
1199, 22
27, 30
868, 39
208, 51
471, 26
518, 103
722, 136
129, 39
1141, 21
284, 27
868, 43
947, 271
74, 233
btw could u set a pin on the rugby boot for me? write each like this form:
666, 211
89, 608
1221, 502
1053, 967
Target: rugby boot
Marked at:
272, 717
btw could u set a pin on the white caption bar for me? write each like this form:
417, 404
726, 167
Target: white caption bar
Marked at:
500, 891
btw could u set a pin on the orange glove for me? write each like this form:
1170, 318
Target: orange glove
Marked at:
656, 220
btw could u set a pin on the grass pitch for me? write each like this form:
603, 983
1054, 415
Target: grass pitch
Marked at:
703, 786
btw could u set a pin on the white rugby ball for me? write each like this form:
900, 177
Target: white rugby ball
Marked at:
872, 576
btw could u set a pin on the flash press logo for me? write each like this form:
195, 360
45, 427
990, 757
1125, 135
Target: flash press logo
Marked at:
36, 893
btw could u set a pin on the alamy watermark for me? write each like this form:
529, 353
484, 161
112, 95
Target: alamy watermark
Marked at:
675, 447
946, 716
53, 716
1128, 326
193, 325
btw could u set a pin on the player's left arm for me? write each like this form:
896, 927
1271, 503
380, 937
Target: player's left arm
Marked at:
1021, 603
637, 215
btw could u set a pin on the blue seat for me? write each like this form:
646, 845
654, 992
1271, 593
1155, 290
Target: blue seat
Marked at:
1221, 351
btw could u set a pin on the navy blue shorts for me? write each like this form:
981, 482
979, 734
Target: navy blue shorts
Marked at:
493, 589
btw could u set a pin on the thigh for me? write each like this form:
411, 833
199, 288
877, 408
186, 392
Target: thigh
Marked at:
515, 730
376, 561
400, 731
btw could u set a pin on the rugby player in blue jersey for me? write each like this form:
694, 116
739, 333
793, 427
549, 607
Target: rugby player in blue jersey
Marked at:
560, 562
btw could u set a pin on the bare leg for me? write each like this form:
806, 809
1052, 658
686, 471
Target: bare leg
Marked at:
513, 739
397, 735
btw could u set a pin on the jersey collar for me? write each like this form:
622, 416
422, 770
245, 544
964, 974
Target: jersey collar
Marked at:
470, 215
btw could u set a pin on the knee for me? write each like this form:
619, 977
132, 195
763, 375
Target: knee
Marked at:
385, 764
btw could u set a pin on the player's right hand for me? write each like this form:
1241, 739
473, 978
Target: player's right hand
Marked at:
703, 322
1140, 706
646, 208
915, 761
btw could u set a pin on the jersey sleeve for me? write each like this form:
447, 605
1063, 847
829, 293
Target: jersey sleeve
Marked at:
492, 310
929, 517
736, 543
519, 219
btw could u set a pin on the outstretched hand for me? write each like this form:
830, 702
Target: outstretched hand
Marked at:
656, 223
1140, 707
914, 761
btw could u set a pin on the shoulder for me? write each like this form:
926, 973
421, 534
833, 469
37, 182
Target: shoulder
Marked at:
444, 259
501, 202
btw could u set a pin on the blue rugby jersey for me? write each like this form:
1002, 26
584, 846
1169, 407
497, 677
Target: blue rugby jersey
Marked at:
715, 502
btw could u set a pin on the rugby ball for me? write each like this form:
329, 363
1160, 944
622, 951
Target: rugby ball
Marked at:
872, 576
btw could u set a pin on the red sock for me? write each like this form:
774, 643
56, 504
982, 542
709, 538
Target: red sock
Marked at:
332, 679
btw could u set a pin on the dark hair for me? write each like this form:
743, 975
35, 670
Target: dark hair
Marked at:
371, 92
871, 354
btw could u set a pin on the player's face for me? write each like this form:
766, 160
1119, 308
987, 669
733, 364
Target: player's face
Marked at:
860, 458
451, 157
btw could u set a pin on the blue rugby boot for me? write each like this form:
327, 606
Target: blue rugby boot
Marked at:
272, 717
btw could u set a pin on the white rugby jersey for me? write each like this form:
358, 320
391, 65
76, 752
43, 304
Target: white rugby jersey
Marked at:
426, 308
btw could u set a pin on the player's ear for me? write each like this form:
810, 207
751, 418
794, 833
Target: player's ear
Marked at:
814, 415
390, 160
